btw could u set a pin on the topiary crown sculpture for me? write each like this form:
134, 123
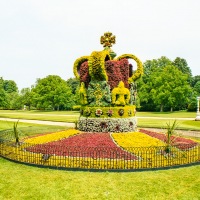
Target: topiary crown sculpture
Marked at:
107, 91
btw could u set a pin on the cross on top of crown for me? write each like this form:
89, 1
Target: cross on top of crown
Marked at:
108, 39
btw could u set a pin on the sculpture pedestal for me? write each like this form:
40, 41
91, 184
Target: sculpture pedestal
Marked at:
107, 124
108, 119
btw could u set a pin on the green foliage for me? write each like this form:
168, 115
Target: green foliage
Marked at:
77, 107
8, 94
26, 96
197, 87
195, 79
159, 88
52, 93
182, 65
163, 86
3, 97
73, 83
192, 106
99, 93
10, 86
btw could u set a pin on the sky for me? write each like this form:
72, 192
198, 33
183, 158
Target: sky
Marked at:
44, 37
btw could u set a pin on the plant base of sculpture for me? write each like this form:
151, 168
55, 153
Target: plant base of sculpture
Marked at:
107, 124
107, 89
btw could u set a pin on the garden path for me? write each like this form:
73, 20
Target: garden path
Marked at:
179, 132
40, 122
183, 132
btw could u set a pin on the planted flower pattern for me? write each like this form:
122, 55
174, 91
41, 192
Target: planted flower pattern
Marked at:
98, 145
97, 151
136, 139
42, 139
98, 112
179, 142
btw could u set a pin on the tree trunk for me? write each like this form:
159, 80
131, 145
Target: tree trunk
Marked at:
161, 108
171, 110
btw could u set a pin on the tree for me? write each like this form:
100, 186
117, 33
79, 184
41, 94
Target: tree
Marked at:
197, 87
10, 86
182, 65
170, 88
9, 94
145, 84
26, 96
195, 79
163, 85
73, 83
52, 92
192, 106
3, 96
12, 99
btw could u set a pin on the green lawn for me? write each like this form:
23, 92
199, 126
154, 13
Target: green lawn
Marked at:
22, 113
152, 119
19, 181
59, 116
26, 129
176, 114
161, 123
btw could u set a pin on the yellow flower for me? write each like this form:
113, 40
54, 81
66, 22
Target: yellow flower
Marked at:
52, 137
136, 139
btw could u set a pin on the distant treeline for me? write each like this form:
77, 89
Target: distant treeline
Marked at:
165, 86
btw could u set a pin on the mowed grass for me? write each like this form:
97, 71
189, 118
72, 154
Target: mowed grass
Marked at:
161, 123
58, 116
62, 115
26, 129
145, 119
19, 181
176, 114
26, 113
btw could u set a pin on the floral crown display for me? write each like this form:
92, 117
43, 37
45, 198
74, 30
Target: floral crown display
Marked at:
107, 86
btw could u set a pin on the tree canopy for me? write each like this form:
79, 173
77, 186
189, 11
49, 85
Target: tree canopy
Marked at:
52, 92
163, 86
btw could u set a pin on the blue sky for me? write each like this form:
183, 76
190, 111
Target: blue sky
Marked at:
44, 37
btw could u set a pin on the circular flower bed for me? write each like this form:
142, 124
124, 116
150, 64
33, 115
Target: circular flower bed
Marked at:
75, 149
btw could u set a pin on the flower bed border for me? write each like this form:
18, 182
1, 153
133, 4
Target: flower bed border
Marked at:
177, 158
